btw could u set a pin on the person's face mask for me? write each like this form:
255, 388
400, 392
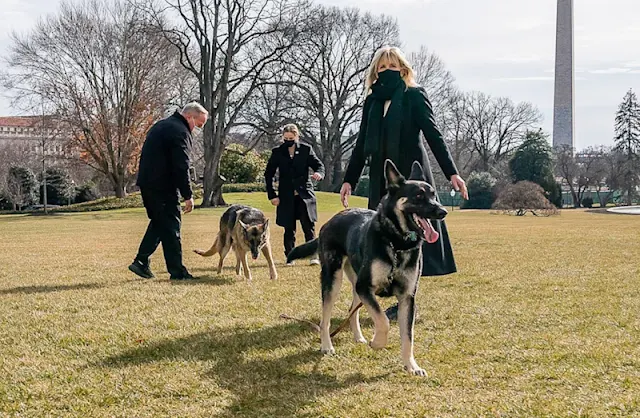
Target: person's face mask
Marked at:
197, 130
389, 77
289, 140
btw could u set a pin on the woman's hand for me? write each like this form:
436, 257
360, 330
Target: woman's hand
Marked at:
345, 192
460, 186
275, 201
316, 176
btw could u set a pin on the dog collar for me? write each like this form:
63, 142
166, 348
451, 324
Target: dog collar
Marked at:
410, 237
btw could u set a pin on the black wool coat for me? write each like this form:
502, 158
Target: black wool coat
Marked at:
417, 116
293, 176
164, 160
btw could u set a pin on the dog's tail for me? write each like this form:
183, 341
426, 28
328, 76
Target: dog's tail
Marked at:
211, 251
303, 251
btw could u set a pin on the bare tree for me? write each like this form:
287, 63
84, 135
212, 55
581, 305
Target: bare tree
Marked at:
266, 112
580, 171
103, 72
327, 69
608, 171
457, 131
12, 155
568, 169
229, 46
497, 126
432, 74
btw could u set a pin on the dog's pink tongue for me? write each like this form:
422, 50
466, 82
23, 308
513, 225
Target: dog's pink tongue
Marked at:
430, 234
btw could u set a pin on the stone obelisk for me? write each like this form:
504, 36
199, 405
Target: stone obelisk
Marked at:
563, 107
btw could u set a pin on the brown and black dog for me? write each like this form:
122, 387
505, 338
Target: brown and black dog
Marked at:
246, 230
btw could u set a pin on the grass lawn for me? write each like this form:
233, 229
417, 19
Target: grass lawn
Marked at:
541, 320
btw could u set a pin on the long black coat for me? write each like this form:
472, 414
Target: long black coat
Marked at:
164, 160
293, 177
417, 116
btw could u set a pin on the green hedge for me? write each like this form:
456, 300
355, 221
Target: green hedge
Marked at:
244, 188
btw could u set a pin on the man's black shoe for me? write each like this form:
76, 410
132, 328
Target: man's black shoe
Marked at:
185, 276
141, 270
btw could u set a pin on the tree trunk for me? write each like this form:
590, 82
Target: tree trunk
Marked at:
574, 196
212, 195
337, 175
325, 183
117, 182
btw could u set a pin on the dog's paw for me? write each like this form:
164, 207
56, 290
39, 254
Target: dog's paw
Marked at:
360, 340
379, 341
328, 351
416, 371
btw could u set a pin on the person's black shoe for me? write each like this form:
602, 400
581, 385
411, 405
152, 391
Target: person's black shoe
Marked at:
392, 312
141, 270
185, 276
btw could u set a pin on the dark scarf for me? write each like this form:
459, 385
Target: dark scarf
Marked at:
389, 86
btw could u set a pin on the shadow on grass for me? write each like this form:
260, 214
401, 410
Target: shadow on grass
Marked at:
272, 385
28, 290
222, 280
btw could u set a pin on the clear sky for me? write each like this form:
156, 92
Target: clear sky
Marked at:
500, 47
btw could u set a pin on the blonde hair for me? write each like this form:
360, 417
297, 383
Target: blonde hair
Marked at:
291, 127
391, 54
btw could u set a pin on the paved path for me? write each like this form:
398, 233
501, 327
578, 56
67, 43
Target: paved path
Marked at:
627, 210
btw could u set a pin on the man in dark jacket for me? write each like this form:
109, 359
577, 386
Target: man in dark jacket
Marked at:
295, 198
163, 173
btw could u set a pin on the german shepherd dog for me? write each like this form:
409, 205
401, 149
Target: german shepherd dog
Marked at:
246, 229
381, 254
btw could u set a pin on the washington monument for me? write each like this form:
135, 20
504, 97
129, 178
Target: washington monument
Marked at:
563, 107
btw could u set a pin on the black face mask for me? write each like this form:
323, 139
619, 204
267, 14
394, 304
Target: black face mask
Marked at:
387, 83
389, 78
290, 143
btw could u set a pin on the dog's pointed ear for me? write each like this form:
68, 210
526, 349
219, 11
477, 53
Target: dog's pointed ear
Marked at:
392, 175
416, 172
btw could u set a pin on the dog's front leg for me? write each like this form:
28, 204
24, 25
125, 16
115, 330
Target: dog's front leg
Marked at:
266, 251
368, 279
237, 262
245, 265
406, 320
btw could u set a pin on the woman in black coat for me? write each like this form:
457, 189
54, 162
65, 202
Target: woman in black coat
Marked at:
295, 199
395, 111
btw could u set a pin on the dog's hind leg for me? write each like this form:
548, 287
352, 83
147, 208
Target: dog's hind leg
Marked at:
226, 246
355, 318
377, 272
331, 280
266, 251
406, 320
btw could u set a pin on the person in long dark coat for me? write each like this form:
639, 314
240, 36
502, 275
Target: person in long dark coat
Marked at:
295, 199
395, 111
163, 176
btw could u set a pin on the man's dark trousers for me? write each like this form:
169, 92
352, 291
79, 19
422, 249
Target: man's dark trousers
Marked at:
308, 227
163, 210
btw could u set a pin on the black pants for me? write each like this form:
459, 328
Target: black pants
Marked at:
308, 227
163, 210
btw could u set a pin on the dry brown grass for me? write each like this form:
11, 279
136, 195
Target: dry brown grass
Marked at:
541, 320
